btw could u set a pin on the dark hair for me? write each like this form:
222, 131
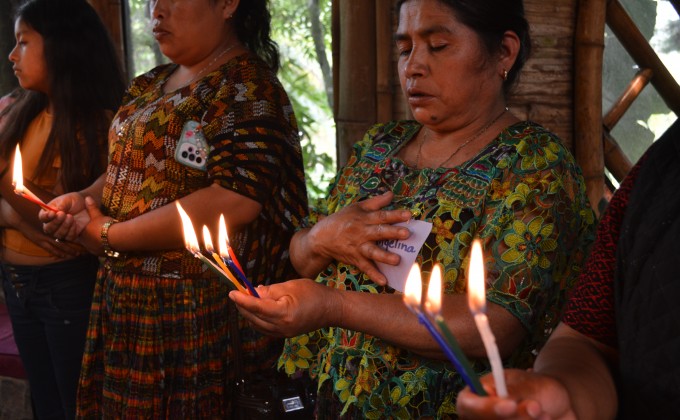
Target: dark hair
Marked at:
490, 19
86, 85
253, 27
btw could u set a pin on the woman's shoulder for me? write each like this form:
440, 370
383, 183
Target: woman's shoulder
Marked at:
529, 129
249, 69
534, 146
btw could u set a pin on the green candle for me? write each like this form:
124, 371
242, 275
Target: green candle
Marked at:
432, 307
465, 367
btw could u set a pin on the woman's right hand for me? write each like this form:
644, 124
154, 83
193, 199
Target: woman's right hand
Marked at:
350, 236
69, 221
532, 396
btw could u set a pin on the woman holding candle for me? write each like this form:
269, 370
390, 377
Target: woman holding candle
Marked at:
70, 86
622, 318
471, 168
215, 131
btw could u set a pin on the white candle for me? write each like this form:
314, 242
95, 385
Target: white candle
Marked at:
477, 303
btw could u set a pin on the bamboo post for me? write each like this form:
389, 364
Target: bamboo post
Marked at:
617, 162
626, 99
589, 46
111, 13
384, 64
356, 73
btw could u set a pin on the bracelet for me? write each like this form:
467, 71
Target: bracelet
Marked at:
105, 239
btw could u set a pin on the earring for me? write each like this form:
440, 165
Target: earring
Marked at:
505, 75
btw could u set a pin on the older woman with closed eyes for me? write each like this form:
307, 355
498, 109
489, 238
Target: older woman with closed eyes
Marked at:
469, 167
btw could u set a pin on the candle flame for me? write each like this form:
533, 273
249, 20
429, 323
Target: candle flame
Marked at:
190, 239
414, 287
476, 282
207, 240
433, 304
17, 173
223, 238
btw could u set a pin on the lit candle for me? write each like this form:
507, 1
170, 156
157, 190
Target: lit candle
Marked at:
432, 307
18, 183
412, 297
477, 303
224, 238
207, 243
191, 244
229, 258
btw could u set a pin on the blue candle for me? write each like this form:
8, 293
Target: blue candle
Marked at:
242, 277
412, 297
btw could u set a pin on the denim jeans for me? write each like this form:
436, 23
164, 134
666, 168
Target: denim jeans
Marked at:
49, 307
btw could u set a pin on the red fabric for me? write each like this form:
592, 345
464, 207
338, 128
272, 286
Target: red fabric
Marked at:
10, 363
590, 309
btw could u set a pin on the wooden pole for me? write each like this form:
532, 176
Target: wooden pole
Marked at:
111, 13
643, 54
617, 162
356, 73
626, 99
384, 64
589, 47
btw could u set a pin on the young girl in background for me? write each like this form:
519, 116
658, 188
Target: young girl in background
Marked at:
71, 84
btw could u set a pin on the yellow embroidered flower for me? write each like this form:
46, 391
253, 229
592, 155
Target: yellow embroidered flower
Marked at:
537, 152
442, 230
530, 242
296, 355
390, 404
415, 381
499, 189
521, 195
343, 386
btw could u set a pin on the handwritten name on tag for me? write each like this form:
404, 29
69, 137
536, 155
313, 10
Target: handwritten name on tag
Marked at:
407, 250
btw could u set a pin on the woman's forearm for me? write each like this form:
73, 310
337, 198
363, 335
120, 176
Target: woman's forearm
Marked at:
306, 259
583, 367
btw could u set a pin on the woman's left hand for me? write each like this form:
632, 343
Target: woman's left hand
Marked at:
290, 308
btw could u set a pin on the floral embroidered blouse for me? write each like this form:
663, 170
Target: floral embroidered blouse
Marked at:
522, 195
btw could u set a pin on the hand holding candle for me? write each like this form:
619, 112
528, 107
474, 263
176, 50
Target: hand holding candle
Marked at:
477, 303
18, 183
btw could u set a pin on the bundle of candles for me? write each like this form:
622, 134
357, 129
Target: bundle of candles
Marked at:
224, 263
18, 183
429, 314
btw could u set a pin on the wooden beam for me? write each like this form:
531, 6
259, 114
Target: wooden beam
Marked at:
589, 47
384, 64
111, 14
627, 98
617, 162
357, 74
643, 54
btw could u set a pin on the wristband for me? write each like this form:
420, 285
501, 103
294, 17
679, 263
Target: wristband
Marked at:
105, 239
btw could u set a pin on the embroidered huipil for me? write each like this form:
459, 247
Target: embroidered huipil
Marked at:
158, 342
522, 195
